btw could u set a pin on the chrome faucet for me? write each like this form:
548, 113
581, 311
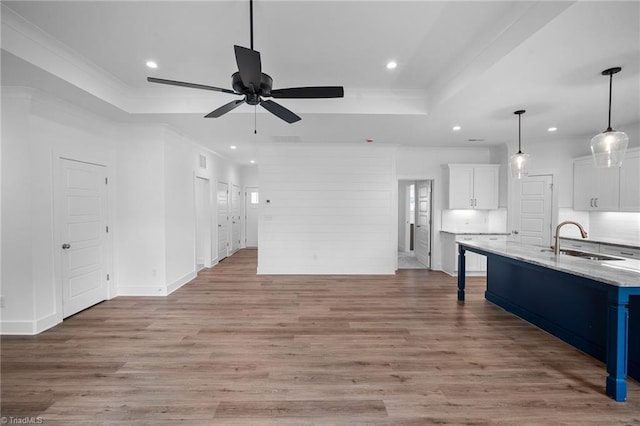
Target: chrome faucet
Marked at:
556, 247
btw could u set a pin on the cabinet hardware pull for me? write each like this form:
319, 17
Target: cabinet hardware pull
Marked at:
626, 253
591, 202
595, 202
471, 202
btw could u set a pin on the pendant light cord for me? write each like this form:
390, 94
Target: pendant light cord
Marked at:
519, 133
609, 129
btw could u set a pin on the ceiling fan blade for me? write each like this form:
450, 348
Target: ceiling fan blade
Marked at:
225, 108
279, 111
191, 85
309, 92
249, 66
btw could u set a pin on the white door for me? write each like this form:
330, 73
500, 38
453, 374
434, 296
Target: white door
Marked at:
203, 223
235, 218
252, 201
422, 241
223, 220
532, 210
82, 201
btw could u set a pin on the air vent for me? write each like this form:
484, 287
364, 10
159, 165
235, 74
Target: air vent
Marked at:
203, 162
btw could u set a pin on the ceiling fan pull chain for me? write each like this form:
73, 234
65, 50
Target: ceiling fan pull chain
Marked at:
255, 120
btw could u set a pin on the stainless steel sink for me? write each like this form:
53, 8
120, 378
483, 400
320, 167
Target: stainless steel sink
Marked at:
584, 255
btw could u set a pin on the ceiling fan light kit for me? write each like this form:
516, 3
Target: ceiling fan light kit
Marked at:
609, 147
519, 162
250, 82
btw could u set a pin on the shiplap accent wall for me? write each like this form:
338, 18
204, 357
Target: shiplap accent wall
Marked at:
327, 210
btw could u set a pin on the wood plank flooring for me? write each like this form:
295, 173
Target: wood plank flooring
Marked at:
234, 348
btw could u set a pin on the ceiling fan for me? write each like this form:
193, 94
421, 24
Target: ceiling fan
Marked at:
255, 85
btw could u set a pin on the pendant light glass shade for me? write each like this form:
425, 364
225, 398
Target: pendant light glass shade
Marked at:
609, 147
519, 162
519, 165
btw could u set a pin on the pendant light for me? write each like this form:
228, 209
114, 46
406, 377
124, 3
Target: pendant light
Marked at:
519, 162
608, 148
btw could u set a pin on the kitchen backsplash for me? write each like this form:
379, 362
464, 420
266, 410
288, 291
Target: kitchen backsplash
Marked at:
474, 220
604, 225
615, 225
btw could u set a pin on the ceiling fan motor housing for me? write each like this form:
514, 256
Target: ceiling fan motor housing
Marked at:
266, 83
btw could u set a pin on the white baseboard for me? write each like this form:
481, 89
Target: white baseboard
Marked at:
180, 282
142, 291
8, 328
47, 322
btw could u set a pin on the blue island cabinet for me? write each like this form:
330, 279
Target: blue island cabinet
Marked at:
600, 319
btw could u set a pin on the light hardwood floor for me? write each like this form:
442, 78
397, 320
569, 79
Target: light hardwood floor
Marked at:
234, 348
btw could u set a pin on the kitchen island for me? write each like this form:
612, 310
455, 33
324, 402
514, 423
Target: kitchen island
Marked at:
593, 305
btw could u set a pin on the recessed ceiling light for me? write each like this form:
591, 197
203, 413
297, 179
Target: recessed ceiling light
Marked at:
391, 65
456, 128
552, 129
152, 64
253, 161
233, 147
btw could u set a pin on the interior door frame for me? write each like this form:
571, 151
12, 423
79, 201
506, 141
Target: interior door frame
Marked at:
415, 178
208, 253
247, 202
217, 228
102, 159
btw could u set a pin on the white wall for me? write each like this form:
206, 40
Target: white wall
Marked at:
36, 131
327, 210
402, 214
152, 173
140, 244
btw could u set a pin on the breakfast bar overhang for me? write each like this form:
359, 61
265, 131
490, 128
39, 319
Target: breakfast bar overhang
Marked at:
592, 305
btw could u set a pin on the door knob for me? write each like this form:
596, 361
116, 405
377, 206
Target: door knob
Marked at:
66, 246
516, 232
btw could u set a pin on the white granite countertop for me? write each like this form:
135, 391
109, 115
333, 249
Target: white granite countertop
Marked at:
620, 273
474, 233
608, 241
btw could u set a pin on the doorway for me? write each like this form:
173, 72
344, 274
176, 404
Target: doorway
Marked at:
252, 200
223, 220
81, 200
203, 223
414, 224
235, 218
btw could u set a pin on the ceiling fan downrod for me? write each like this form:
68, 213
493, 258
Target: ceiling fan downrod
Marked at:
251, 22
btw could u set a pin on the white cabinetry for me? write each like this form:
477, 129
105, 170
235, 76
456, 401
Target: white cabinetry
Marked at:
604, 248
475, 264
607, 189
620, 251
630, 182
595, 188
473, 186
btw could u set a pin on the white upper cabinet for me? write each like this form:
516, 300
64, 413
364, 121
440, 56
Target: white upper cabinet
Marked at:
630, 182
607, 189
595, 189
473, 186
